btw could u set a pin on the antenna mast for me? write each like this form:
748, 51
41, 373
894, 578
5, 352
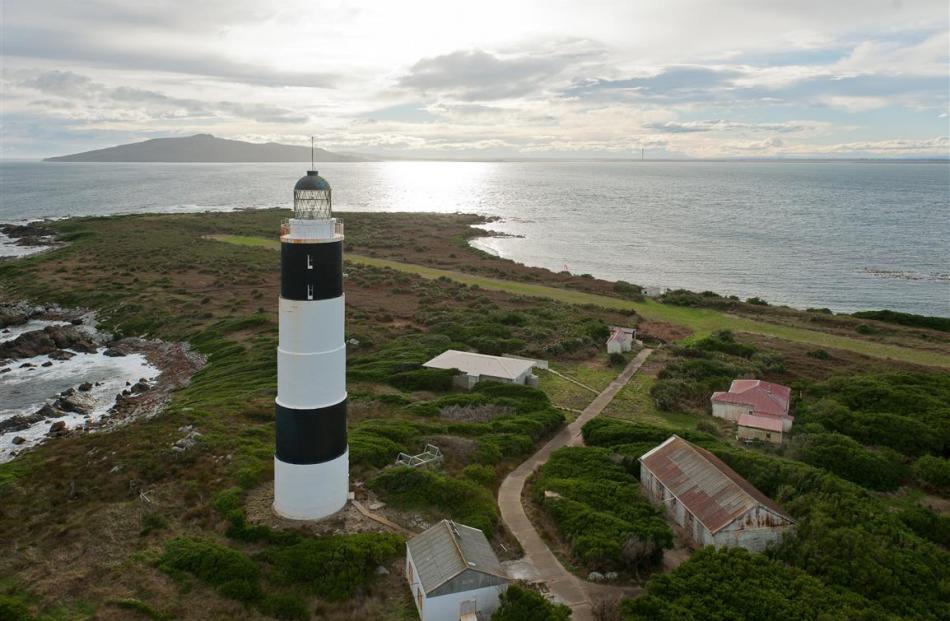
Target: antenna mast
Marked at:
311, 153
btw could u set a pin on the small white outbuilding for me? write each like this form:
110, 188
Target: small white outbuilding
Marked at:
453, 573
474, 368
620, 339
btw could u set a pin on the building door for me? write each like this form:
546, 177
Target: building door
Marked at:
467, 607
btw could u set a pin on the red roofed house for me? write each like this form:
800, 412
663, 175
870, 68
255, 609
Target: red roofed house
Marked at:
708, 499
759, 408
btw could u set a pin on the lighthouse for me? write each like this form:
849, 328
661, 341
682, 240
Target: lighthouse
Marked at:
311, 459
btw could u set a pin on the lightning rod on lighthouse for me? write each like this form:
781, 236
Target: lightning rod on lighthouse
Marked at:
311, 460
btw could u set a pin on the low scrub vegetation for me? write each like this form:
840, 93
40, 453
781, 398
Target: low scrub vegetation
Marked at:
906, 319
521, 604
845, 536
706, 366
420, 489
735, 584
597, 507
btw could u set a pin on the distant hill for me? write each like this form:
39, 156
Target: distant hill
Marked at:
203, 148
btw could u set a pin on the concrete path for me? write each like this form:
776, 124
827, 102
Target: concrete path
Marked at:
564, 585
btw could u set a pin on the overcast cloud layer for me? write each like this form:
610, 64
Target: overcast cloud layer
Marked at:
598, 78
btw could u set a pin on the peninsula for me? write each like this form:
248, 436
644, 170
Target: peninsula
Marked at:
204, 148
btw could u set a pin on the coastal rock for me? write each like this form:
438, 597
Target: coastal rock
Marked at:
112, 352
57, 429
85, 387
595, 576
189, 440
27, 365
47, 364
61, 354
5, 370
47, 411
78, 403
46, 341
30, 234
18, 440
68, 392
19, 423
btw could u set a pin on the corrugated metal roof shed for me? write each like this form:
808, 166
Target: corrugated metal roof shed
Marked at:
447, 549
709, 489
480, 364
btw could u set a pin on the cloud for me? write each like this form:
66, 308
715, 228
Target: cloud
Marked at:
99, 102
476, 75
40, 43
689, 127
671, 83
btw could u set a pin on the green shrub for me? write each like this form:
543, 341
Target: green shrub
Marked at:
724, 341
845, 457
611, 432
616, 360
819, 354
481, 474
927, 524
599, 510
907, 412
424, 379
906, 319
732, 583
334, 567
933, 471
138, 606
232, 573
283, 606
521, 604
460, 499
863, 328
12, 609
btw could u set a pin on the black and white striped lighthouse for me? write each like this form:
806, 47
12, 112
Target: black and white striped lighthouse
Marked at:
311, 461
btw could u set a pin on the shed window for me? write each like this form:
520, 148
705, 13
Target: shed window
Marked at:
309, 262
309, 292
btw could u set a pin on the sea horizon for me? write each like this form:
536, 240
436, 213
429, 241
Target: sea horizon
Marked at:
657, 219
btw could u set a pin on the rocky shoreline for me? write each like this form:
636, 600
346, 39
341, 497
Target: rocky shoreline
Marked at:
108, 382
17, 240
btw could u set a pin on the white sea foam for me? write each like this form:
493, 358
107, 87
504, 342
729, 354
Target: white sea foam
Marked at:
25, 390
11, 332
9, 248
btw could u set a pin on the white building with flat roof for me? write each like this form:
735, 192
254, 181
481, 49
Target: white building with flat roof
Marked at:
474, 368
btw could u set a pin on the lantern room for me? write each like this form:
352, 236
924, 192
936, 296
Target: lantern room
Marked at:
312, 198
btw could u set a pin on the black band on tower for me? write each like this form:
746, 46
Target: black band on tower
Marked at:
311, 436
311, 271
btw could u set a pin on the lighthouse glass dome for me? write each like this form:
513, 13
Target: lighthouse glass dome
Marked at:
312, 198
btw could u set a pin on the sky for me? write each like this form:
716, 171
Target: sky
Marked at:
486, 79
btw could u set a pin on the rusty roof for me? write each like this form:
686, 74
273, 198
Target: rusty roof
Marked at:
762, 397
767, 423
709, 489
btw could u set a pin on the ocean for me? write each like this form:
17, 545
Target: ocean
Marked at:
842, 235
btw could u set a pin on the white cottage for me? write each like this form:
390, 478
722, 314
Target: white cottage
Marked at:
620, 339
708, 500
474, 368
453, 573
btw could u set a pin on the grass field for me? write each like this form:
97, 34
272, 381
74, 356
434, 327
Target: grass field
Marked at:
702, 322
